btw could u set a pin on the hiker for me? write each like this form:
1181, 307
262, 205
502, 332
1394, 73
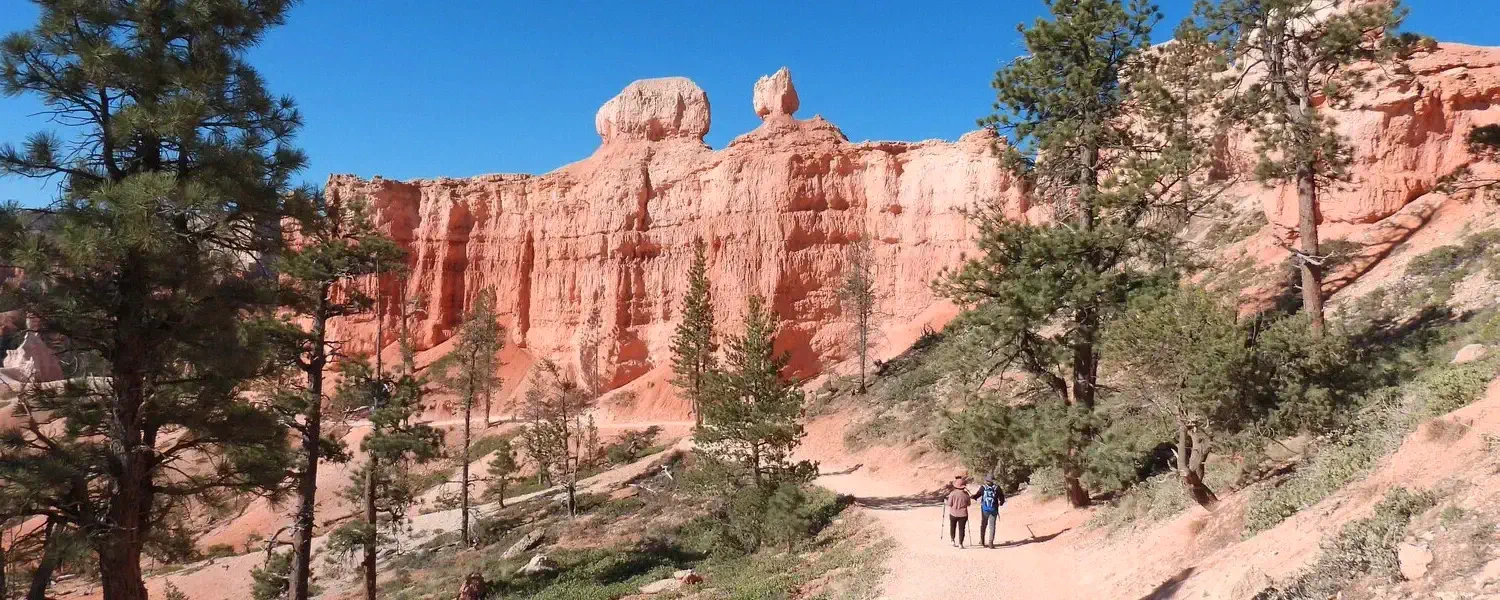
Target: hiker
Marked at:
990, 498
958, 511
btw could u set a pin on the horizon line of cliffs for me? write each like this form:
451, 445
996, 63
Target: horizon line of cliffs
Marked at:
587, 264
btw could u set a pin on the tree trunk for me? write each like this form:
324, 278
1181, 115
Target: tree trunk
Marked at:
463, 491
372, 523
864, 345
372, 531
1312, 274
307, 482
120, 570
132, 448
1192, 456
1078, 495
42, 577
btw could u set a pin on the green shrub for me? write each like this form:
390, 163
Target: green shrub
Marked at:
1047, 482
482, 447
1363, 547
632, 445
1450, 387
271, 578
219, 551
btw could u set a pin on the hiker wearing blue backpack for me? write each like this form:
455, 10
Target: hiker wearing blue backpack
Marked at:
990, 498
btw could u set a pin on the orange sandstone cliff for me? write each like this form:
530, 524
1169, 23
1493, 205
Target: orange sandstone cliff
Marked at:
596, 253
587, 263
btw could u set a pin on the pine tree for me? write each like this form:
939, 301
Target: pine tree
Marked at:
1113, 138
1189, 363
173, 178
502, 467
751, 413
693, 346
331, 247
857, 297
1294, 58
395, 443
469, 371
556, 426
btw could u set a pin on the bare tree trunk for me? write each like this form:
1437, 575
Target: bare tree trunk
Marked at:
307, 481
372, 533
1312, 272
1192, 452
463, 492
129, 511
120, 571
41, 579
372, 524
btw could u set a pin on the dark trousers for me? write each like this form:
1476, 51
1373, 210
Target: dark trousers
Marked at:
987, 525
956, 527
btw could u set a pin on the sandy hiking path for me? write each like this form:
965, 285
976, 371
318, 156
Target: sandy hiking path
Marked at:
924, 565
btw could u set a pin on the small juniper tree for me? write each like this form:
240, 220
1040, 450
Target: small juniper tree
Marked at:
1293, 59
693, 345
857, 298
503, 466
469, 371
557, 426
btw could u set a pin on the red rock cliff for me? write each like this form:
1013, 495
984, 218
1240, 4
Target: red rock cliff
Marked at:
599, 249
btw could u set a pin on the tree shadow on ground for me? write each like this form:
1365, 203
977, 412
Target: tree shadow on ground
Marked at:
847, 471
906, 502
1169, 588
1032, 540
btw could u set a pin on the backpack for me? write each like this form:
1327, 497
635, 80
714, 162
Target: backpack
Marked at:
990, 498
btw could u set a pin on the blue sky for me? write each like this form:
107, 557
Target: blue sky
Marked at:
410, 89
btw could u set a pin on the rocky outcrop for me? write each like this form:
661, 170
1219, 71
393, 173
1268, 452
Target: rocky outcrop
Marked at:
33, 361
775, 95
1407, 131
587, 263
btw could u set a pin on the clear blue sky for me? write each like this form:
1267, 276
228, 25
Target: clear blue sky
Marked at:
410, 89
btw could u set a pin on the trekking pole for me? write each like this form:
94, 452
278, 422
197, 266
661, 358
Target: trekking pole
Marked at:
1030, 532
943, 524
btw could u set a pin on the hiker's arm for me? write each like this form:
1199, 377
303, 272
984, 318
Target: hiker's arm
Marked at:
977, 493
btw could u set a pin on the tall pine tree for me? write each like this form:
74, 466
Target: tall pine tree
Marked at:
174, 172
751, 413
394, 444
1294, 58
332, 246
469, 371
1112, 138
693, 345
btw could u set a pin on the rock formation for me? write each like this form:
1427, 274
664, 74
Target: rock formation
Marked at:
587, 262
31, 362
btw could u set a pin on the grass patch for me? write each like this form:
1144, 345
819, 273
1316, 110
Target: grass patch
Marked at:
842, 561
1363, 547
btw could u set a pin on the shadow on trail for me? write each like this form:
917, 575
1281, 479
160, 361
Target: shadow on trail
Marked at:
1169, 588
1033, 540
901, 502
843, 472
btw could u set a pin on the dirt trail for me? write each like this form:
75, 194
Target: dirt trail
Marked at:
929, 567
